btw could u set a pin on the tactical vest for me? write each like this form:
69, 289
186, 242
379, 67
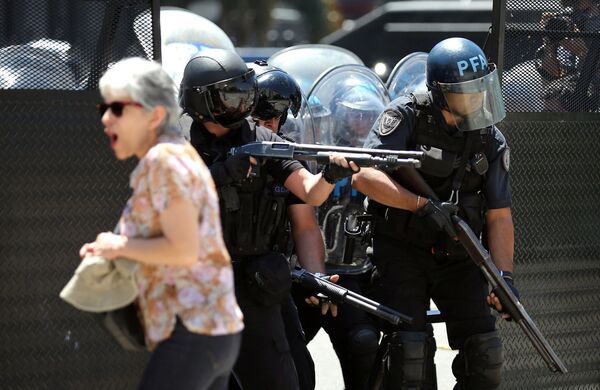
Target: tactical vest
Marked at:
253, 211
454, 166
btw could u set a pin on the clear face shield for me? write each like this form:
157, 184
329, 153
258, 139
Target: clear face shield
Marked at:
475, 104
301, 128
354, 120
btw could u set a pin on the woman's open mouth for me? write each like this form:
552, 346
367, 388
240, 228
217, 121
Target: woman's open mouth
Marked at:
113, 139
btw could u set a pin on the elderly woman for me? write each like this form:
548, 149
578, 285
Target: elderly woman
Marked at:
171, 226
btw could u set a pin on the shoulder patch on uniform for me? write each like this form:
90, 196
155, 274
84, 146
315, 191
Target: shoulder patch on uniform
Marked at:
506, 159
390, 120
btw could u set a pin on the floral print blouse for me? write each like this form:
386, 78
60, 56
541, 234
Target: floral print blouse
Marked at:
202, 295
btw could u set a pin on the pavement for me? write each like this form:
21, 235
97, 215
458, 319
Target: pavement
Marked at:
329, 374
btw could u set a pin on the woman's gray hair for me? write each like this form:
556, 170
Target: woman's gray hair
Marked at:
147, 83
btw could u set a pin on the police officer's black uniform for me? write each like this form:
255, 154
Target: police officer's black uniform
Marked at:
415, 262
251, 214
218, 87
278, 93
352, 334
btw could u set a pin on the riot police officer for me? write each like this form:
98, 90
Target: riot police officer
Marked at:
414, 248
357, 111
218, 92
278, 94
352, 96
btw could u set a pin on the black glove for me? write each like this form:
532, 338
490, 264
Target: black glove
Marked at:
439, 216
510, 282
232, 170
508, 278
333, 172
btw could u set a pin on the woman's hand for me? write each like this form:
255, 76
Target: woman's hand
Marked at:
87, 250
108, 245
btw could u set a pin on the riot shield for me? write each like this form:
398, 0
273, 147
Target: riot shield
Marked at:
408, 75
301, 128
305, 63
351, 97
183, 35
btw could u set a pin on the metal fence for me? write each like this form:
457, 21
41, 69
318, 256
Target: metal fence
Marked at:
553, 129
60, 185
551, 56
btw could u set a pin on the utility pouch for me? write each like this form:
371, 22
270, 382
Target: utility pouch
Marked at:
404, 226
438, 162
268, 278
244, 224
471, 208
270, 213
229, 198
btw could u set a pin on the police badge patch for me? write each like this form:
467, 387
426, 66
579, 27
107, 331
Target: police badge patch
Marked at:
506, 159
390, 120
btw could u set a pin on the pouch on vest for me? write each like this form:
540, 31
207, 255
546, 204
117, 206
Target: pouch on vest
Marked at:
471, 208
271, 213
438, 162
268, 278
404, 226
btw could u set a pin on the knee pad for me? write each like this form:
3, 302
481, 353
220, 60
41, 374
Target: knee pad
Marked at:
409, 361
479, 363
364, 340
361, 347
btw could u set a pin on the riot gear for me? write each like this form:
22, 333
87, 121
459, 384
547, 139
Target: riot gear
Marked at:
350, 97
463, 83
417, 263
445, 154
253, 212
184, 34
340, 93
409, 361
479, 365
353, 96
305, 63
354, 113
408, 75
277, 93
217, 86
321, 117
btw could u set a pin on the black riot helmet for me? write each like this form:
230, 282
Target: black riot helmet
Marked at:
217, 86
277, 93
463, 83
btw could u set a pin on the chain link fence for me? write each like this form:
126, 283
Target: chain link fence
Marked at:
551, 89
60, 184
551, 56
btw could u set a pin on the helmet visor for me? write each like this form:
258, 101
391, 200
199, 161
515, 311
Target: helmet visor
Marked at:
232, 100
353, 121
475, 104
268, 109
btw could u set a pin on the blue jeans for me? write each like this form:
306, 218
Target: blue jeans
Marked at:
189, 360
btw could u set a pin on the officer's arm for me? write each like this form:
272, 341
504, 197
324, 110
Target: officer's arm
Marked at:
501, 237
314, 189
307, 237
380, 187
310, 248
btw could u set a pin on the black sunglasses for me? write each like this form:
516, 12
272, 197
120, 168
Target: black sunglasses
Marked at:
115, 107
